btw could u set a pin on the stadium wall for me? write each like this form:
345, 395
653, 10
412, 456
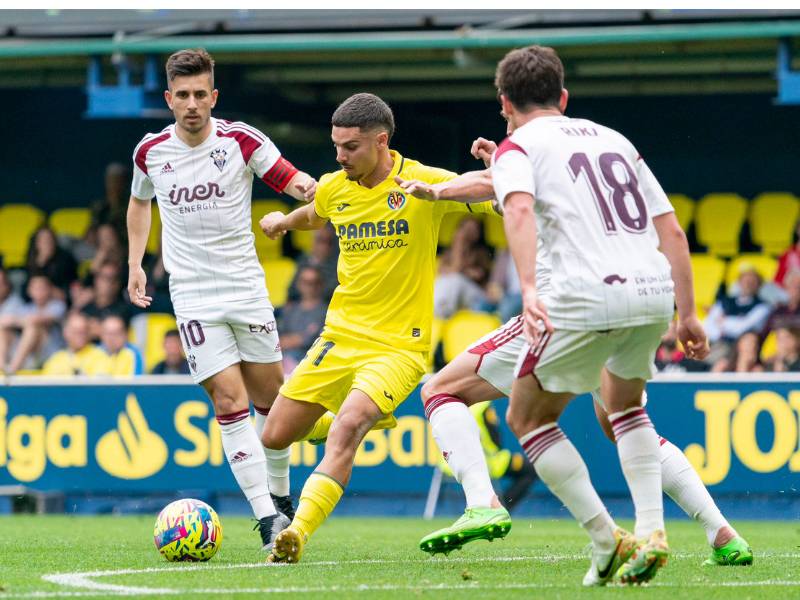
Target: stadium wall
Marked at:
148, 437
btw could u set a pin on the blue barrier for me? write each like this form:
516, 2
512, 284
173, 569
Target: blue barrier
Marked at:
157, 435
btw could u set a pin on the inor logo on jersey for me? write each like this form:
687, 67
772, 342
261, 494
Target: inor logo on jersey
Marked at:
197, 193
396, 200
219, 156
371, 230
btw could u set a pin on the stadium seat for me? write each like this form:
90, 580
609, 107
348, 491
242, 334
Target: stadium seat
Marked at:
773, 217
266, 248
709, 272
70, 222
147, 332
769, 347
303, 240
765, 265
684, 209
718, 221
279, 273
154, 239
463, 328
495, 232
17, 224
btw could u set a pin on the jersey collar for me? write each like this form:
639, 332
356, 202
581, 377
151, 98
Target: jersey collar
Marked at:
211, 136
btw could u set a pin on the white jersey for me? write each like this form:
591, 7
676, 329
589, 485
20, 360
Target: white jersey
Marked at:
595, 200
204, 197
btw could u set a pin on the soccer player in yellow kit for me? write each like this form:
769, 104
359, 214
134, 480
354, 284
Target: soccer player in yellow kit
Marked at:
374, 347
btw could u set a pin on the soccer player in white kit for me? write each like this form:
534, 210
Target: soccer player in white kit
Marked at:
200, 169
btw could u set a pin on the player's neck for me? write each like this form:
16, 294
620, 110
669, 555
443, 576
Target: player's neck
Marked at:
193, 139
525, 118
379, 173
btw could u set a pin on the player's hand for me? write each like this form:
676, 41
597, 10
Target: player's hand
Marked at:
534, 317
418, 189
137, 282
692, 337
309, 189
273, 225
482, 149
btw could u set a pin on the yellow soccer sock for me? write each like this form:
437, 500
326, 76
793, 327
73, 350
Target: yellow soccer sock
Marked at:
317, 500
320, 429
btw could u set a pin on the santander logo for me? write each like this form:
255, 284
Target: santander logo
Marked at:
197, 193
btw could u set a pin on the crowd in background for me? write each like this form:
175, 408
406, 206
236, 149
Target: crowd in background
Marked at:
66, 311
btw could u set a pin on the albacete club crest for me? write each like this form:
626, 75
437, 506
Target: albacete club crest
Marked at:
396, 200
219, 156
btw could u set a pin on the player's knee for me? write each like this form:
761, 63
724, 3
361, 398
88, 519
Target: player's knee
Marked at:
429, 389
346, 434
227, 401
274, 438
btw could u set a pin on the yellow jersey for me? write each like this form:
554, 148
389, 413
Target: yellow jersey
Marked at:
387, 254
89, 360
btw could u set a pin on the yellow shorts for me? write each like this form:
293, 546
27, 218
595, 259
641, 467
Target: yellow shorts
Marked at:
336, 364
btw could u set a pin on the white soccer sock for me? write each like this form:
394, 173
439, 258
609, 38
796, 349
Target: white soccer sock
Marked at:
277, 460
245, 455
682, 483
562, 469
637, 446
457, 435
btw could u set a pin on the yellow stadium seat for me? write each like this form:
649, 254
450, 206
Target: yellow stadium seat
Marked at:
463, 328
70, 222
279, 273
18, 222
773, 217
303, 240
765, 265
718, 221
147, 331
684, 209
709, 272
495, 232
266, 248
154, 239
769, 347
437, 326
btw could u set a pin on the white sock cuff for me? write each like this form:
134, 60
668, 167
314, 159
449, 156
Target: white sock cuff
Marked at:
535, 442
438, 401
628, 420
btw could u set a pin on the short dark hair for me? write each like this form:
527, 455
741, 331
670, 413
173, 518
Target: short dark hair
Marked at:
194, 61
172, 333
365, 111
532, 76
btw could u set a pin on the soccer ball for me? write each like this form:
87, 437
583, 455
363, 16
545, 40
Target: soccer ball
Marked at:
188, 530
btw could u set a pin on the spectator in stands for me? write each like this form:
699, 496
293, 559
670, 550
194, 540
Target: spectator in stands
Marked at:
46, 257
107, 298
109, 248
174, 362
745, 357
38, 324
503, 292
732, 316
10, 302
670, 358
113, 208
80, 357
323, 256
790, 259
124, 359
787, 313
787, 350
301, 322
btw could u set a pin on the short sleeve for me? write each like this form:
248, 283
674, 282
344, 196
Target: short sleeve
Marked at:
269, 166
656, 200
141, 184
512, 171
322, 196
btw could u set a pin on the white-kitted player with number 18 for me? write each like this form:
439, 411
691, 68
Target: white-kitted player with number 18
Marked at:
200, 169
601, 216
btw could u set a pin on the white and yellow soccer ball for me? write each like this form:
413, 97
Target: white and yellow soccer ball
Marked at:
188, 530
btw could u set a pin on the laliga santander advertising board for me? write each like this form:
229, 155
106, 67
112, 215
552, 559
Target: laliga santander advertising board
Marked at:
741, 434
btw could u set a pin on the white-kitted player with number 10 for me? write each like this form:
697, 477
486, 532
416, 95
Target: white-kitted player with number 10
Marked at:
200, 169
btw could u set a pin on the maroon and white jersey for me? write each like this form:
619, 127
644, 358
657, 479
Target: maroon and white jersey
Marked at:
204, 196
595, 199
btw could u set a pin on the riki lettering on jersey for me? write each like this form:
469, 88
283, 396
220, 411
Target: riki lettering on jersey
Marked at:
579, 131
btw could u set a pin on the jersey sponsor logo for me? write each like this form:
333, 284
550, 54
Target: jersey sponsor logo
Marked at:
262, 327
220, 157
341, 206
167, 168
368, 229
396, 200
197, 193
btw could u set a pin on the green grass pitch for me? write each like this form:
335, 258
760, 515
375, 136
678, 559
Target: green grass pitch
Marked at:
50, 556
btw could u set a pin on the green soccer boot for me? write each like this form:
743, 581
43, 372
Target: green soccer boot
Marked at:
474, 524
737, 552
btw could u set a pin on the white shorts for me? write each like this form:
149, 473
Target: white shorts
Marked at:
567, 361
218, 336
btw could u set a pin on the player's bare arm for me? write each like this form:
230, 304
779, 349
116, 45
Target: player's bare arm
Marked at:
276, 224
520, 227
473, 186
138, 232
673, 243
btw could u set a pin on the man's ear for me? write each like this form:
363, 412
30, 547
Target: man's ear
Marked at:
168, 98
